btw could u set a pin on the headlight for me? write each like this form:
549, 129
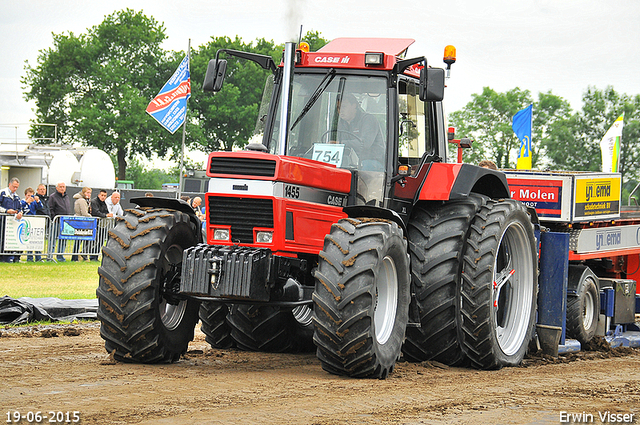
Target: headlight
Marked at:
221, 234
264, 237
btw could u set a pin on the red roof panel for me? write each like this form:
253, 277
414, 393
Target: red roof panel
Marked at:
389, 46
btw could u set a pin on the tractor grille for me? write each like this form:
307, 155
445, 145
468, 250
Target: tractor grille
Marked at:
242, 166
242, 214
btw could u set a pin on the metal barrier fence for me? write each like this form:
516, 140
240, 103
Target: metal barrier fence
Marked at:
39, 238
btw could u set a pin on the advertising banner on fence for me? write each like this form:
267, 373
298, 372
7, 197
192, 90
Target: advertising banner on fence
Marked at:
26, 234
78, 228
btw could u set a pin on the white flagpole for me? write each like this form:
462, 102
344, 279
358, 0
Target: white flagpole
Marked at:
184, 126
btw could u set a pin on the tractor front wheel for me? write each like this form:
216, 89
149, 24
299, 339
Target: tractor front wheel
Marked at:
141, 266
361, 299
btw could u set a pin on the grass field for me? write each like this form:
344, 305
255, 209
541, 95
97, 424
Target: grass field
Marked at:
69, 280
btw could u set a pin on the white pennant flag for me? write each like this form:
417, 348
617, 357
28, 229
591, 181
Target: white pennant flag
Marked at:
610, 147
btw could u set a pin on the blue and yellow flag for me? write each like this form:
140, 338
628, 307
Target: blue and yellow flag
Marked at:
522, 127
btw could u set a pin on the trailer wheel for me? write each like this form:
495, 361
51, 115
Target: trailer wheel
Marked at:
499, 285
583, 308
361, 299
214, 324
268, 328
141, 321
437, 234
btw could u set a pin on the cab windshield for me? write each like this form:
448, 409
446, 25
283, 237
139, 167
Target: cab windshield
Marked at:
338, 119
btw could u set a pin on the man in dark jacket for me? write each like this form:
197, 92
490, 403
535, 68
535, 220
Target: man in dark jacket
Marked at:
99, 209
41, 195
60, 204
10, 204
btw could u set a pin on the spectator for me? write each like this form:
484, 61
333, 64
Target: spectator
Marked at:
41, 195
81, 207
186, 199
113, 204
197, 201
30, 204
486, 163
60, 204
148, 195
99, 209
10, 204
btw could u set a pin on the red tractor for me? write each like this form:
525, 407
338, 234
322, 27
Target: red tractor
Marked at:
344, 227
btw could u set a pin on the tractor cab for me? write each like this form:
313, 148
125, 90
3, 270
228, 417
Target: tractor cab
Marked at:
356, 104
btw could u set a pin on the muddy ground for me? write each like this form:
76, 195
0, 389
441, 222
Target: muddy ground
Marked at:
65, 369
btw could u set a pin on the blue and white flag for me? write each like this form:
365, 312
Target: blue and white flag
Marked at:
169, 107
522, 127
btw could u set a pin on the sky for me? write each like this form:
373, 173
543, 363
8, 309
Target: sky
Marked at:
537, 45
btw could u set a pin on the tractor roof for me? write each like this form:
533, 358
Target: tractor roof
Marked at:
350, 53
388, 46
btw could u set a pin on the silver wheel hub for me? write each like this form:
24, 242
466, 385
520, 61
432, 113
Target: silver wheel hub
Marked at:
386, 300
512, 288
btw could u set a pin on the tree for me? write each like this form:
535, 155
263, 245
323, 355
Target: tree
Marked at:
149, 178
96, 86
315, 40
574, 142
487, 119
228, 118
549, 112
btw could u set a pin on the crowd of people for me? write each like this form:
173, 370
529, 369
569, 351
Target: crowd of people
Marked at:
58, 203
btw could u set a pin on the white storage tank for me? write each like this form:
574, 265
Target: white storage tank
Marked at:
96, 170
63, 165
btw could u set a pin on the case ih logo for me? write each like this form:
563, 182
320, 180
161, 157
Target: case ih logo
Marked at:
332, 59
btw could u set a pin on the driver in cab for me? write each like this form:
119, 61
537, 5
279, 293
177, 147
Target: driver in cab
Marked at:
361, 131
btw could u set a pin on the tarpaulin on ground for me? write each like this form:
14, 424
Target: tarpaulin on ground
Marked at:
24, 310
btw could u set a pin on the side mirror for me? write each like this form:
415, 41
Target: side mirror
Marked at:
431, 84
214, 77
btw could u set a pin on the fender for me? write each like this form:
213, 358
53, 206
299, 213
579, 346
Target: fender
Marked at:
454, 181
375, 212
576, 277
172, 204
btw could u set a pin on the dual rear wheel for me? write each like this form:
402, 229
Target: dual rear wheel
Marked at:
474, 269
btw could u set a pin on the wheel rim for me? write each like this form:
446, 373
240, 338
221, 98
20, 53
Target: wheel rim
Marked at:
303, 315
588, 309
171, 314
386, 302
512, 288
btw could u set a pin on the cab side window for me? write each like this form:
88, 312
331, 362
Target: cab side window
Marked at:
413, 125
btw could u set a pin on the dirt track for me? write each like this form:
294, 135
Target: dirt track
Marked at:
65, 368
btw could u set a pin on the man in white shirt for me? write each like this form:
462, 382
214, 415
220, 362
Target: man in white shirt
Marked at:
113, 204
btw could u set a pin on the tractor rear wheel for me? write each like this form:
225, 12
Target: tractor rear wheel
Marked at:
213, 316
437, 234
499, 285
141, 265
361, 299
583, 308
268, 328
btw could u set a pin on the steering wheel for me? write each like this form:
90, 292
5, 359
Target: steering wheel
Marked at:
337, 132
